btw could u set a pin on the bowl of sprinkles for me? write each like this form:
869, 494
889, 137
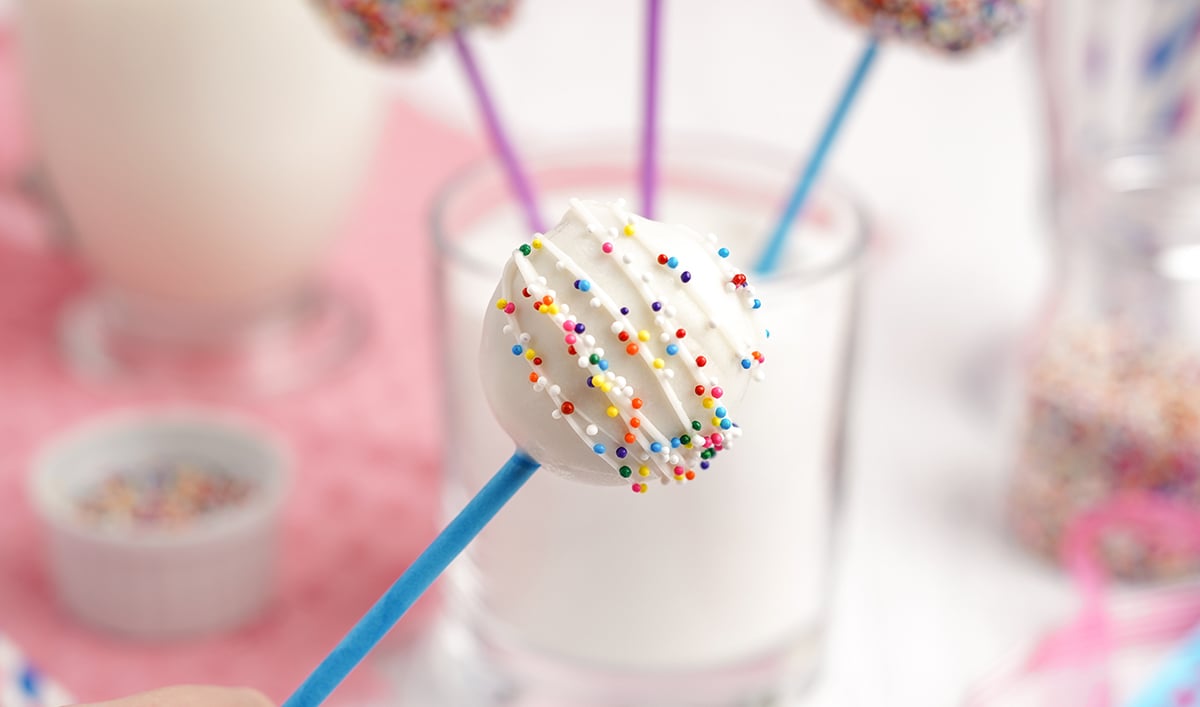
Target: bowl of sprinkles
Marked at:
161, 523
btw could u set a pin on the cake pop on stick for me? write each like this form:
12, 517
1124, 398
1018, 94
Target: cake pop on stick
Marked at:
615, 349
402, 30
946, 26
648, 167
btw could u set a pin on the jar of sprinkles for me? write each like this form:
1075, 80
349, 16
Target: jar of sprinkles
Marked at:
1112, 385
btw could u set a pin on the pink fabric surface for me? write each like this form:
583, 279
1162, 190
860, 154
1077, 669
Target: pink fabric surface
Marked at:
365, 493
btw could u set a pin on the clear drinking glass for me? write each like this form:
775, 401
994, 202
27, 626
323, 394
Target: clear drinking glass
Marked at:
1112, 385
713, 593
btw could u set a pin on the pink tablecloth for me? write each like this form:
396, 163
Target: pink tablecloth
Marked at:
363, 502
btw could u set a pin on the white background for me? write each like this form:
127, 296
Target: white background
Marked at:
947, 154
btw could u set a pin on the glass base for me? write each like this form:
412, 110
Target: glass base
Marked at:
107, 341
451, 667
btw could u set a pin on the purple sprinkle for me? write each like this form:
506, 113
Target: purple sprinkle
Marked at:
579, 328
686, 276
624, 310
622, 452
656, 306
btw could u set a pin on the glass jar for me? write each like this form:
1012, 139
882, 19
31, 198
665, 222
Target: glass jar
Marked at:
1112, 386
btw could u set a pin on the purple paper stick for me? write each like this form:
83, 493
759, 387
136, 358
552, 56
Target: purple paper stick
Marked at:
517, 178
649, 158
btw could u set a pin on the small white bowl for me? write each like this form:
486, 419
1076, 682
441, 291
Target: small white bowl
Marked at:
213, 574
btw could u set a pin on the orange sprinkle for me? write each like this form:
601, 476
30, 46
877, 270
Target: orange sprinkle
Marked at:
637, 403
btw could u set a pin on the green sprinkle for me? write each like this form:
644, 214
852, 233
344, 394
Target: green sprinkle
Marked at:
626, 472
684, 439
696, 425
526, 249
594, 359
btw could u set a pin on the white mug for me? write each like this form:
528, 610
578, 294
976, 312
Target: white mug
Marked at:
203, 150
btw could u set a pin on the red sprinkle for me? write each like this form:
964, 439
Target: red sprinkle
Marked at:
623, 336
701, 361
568, 407
662, 259
699, 390
680, 333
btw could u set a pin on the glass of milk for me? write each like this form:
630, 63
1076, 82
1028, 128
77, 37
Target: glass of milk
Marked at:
712, 593
205, 153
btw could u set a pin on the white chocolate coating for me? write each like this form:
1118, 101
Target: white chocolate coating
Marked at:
616, 348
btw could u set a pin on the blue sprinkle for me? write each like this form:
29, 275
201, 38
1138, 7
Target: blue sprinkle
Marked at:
745, 363
30, 681
656, 447
517, 350
675, 442
720, 412
604, 364
672, 349
672, 262
585, 285
624, 310
580, 328
724, 252
768, 333
757, 304
704, 465
686, 276
598, 448
726, 423
656, 306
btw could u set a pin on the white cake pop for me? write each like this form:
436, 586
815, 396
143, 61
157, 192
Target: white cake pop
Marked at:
616, 348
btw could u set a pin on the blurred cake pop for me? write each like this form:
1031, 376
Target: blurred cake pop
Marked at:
401, 30
950, 26
617, 348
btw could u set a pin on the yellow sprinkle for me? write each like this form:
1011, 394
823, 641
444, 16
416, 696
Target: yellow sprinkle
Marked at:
501, 303
629, 229
613, 411
605, 387
643, 335
644, 488
529, 354
643, 471
659, 363
552, 309
709, 403
537, 243
716, 422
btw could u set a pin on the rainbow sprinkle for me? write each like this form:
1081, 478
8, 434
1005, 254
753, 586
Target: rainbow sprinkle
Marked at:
401, 30
950, 26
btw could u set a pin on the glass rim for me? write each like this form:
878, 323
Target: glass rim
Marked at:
566, 153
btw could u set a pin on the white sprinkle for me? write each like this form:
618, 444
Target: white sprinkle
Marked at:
627, 259
616, 327
664, 337
645, 277
507, 328
592, 430
760, 374
556, 414
583, 362
589, 340
668, 373
599, 351
621, 381
560, 265
730, 287
525, 337
628, 391
539, 386
555, 389
669, 310
564, 308
595, 302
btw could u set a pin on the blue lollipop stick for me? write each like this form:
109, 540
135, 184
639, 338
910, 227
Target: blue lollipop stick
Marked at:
771, 255
397, 600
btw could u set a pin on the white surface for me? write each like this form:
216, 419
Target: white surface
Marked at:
931, 591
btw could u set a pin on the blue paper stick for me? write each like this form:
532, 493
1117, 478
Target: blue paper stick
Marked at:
1179, 674
771, 255
381, 617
